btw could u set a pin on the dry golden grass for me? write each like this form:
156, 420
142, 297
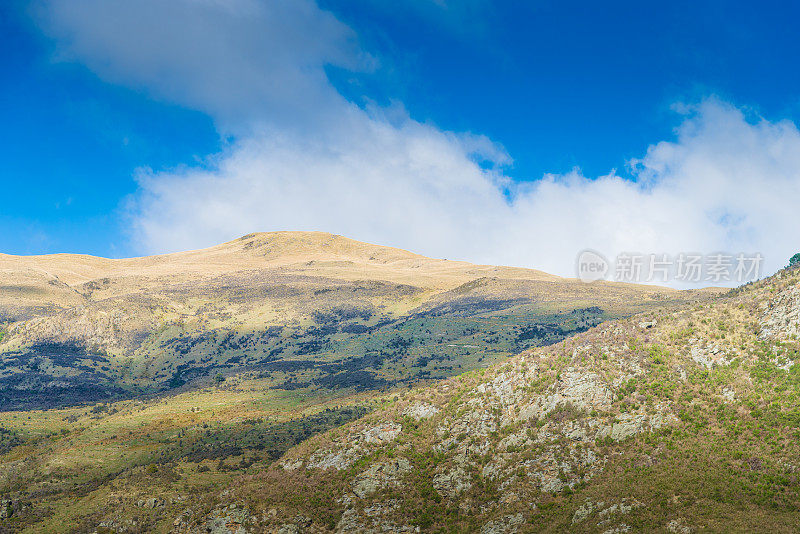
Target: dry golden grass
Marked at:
307, 253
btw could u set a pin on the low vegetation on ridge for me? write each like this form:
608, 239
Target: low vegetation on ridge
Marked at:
304, 388
300, 311
682, 420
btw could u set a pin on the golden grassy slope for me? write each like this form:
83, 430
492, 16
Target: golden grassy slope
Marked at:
84, 468
152, 321
310, 253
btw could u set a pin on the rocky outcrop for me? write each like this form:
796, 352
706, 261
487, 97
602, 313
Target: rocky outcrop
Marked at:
373, 519
583, 390
421, 410
630, 424
354, 447
709, 355
228, 520
678, 526
507, 525
383, 433
781, 319
380, 476
604, 515
452, 481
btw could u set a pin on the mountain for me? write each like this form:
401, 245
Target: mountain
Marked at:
296, 382
301, 310
685, 419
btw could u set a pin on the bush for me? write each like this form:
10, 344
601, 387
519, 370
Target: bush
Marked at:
794, 260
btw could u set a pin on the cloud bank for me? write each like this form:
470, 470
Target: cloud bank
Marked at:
305, 158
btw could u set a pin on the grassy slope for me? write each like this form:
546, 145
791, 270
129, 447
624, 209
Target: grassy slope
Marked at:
691, 425
216, 310
72, 465
348, 314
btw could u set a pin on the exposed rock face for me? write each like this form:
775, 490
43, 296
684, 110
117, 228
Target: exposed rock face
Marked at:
339, 459
382, 433
728, 395
677, 526
380, 476
91, 326
507, 525
709, 356
227, 520
293, 464
421, 410
630, 424
351, 450
603, 515
583, 512
556, 469
452, 482
374, 519
151, 503
584, 390
781, 320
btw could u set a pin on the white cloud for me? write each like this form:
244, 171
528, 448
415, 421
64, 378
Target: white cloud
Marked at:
725, 184
241, 61
307, 159
404, 184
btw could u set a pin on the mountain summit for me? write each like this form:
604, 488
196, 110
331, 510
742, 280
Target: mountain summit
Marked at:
79, 328
443, 394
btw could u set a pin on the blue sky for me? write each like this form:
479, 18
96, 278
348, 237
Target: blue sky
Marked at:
587, 84
157, 126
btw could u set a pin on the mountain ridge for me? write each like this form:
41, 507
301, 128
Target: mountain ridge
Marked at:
680, 420
304, 397
145, 324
